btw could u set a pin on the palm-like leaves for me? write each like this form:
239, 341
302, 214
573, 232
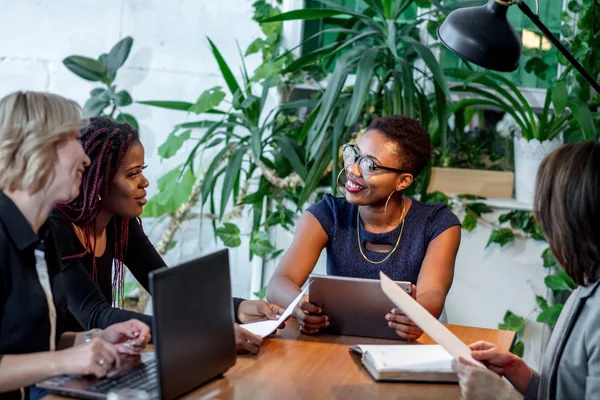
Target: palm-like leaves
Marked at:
380, 50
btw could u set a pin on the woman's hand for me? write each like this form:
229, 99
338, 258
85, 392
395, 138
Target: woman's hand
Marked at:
403, 326
246, 342
132, 336
481, 384
94, 358
308, 321
258, 310
503, 363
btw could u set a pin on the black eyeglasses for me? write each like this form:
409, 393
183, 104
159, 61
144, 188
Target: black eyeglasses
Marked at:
366, 165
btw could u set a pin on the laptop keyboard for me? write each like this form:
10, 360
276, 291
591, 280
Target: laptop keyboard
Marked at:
142, 377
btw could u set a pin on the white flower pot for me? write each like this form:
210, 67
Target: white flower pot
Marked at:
528, 156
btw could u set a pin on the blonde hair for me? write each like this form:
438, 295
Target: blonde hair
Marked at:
31, 126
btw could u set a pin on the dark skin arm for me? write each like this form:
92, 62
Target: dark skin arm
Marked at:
433, 284
294, 268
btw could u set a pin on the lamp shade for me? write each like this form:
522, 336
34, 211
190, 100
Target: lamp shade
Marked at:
483, 36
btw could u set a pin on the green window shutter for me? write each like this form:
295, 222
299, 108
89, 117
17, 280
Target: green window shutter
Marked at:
550, 14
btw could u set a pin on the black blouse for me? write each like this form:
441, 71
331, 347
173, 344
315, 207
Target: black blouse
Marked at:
24, 319
90, 302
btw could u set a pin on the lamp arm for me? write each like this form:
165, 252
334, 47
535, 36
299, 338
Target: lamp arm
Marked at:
536, 20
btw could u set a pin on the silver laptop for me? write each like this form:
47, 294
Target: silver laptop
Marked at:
355, 306
193, 336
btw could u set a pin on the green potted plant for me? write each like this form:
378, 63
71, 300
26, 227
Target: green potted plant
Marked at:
535, 136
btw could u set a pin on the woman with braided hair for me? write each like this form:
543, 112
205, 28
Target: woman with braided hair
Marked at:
101, 227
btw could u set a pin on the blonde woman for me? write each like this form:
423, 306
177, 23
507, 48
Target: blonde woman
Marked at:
41, 163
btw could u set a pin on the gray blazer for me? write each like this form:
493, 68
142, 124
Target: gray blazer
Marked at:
571, 365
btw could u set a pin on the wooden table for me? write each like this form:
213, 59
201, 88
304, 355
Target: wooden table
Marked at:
295, 366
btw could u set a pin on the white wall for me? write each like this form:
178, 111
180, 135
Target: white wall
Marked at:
170, 60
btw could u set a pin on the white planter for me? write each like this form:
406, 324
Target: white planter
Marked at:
528, 156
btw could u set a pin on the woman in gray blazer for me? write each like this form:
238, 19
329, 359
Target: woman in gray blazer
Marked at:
566, 205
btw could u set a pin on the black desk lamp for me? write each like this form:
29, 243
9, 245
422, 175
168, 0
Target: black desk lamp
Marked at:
484, 36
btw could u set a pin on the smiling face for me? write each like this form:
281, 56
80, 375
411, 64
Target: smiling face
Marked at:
68, 171
375, 189
127, 192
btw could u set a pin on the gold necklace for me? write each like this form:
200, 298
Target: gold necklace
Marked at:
397, 241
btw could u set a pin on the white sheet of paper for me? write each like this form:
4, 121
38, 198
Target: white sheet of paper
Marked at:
424, 320
265, 328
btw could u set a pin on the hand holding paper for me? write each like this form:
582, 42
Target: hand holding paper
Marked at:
265, 328
427, 322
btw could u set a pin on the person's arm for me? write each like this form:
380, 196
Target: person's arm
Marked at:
433, 284
17, 371
296, 265
87, 303
298, 261
437, 271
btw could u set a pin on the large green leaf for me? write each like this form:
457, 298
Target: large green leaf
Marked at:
261, 245
550, 315
233, 170
331, 95
315, 174
128, 118
118, 54
170, 105
95, 105
408, 89
501, 236
177, 192
123, 98
560, 281
173, 143
209, 99
303, 14
86, 68
512, 322
470, 221
549, 260
364, 76
560, 97
518, 349
288, 150
225, 70
208, 184
230, 234
584, 118
434, 66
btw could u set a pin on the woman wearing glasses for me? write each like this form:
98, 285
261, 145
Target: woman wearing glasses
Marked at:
375, 227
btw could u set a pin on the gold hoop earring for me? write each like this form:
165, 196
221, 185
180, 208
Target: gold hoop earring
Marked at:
386, 206
337, 182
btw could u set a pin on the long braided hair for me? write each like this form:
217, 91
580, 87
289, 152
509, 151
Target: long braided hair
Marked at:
105, 142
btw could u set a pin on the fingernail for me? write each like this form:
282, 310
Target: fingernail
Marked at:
319, 310
390, 324
326, 318
327, 323
388, 316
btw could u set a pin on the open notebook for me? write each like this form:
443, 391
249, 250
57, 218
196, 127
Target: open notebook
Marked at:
427, 363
